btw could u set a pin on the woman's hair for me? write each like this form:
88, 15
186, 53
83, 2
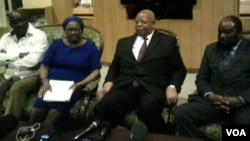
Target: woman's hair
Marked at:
73, 19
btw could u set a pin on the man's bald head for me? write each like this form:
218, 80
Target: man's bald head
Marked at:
229, 32
15, 15
145, 21
19, 23
150, 14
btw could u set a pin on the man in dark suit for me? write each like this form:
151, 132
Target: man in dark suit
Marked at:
145, 84
222, 82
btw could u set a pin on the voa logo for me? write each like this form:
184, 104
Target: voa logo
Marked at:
236, 132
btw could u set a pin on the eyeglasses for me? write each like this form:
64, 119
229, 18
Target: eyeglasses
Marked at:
70, 30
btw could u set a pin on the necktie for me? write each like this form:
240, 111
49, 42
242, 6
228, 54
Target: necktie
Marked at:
142, 49
226, 61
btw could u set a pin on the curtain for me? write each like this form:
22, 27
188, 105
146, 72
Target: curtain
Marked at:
3, 18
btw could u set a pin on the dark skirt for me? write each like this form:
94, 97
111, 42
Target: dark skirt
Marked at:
63, 107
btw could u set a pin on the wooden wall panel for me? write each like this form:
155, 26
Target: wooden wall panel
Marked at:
206, 23
229, 8
246, 23
3, 30
218, 14
185, 42
163, 24
62, 9
196, 28
196, 34
174, 26
110, 18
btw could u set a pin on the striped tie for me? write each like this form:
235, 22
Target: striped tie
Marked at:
226, 61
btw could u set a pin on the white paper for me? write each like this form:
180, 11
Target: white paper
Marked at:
60, 91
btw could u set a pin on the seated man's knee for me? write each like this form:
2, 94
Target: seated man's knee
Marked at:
180, 113
15, 91
109, 103
147, 109
104, 104
106, 108
18, 85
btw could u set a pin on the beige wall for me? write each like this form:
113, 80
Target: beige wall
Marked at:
110, 18
187, 88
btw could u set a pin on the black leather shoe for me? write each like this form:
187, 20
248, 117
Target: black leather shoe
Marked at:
105, 130
138, 132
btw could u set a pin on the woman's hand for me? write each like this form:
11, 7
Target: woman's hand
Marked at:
76, 86
45, 87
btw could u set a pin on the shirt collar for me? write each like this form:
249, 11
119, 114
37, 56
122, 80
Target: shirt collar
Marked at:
150, 36
28, 33
236, 46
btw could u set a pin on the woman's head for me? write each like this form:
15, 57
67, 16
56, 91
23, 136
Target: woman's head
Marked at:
73, 27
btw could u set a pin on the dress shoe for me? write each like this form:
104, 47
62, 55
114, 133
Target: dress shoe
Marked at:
138, 132
105, 130
7, 124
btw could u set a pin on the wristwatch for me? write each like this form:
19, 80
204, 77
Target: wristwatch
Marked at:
171, 86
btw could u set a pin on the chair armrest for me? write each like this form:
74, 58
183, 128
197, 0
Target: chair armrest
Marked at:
85, 110
91, 86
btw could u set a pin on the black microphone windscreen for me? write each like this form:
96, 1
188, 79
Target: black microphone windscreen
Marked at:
106, 124
105, 130
138, 132
7, 124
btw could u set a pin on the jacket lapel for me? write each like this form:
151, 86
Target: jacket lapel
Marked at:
220, 54
130, 47
153, 43
240, 50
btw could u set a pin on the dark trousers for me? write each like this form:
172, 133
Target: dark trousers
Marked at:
191, 116
118, 102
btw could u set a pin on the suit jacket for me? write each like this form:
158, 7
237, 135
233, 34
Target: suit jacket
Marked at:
236, 81
160, 66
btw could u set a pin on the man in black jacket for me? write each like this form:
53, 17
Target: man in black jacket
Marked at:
146, 82
145, 85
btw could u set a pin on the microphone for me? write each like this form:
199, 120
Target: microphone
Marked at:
94, 125
138, 132
106, 127
7, 124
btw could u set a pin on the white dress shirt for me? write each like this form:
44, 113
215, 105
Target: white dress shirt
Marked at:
34, 42
138, 43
